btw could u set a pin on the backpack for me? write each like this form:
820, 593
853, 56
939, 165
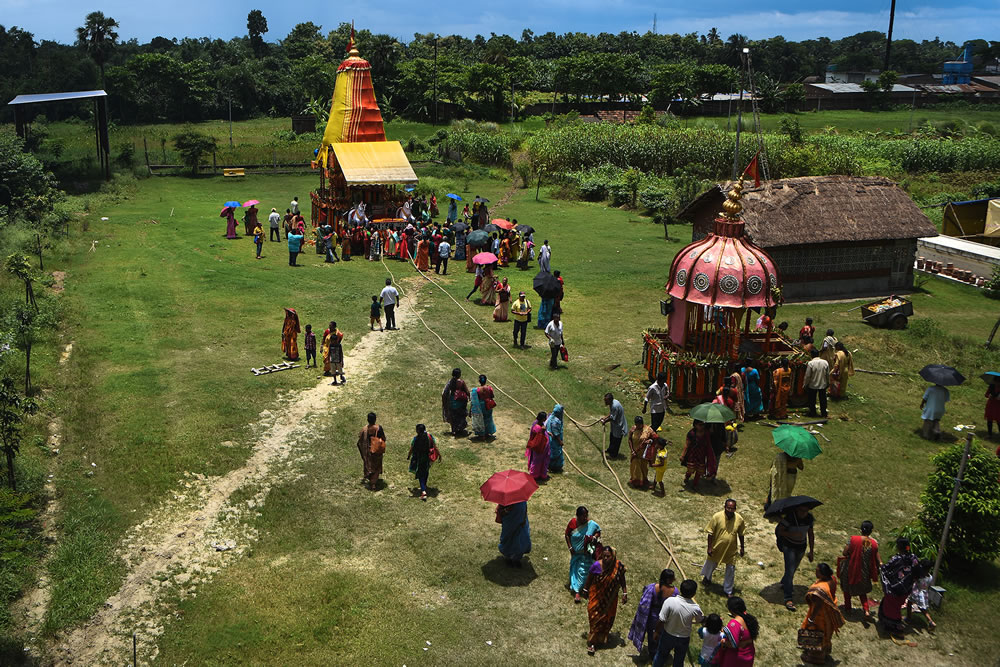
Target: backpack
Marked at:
376, 445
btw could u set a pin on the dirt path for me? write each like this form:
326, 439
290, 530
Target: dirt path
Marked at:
204, 526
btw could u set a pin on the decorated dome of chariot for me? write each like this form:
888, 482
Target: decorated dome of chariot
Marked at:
725, 268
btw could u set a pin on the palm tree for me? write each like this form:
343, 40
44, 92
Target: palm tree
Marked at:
98, 37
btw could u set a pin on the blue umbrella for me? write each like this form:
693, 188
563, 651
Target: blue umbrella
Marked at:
453, 196
409, 189
990, 377
232, 204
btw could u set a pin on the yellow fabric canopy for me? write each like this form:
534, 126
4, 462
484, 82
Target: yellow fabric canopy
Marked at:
373, 163
993, 218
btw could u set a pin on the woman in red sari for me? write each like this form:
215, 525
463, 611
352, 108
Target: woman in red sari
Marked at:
737, 648
698, 457
992, 405
859, 567
606, 576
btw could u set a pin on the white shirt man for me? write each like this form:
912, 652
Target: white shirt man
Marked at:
295, 206
389, 298
554, 332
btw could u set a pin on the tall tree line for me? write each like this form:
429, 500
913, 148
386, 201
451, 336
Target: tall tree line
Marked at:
199, 78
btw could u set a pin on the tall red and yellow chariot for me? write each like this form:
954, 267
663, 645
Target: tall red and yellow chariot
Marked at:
356, 164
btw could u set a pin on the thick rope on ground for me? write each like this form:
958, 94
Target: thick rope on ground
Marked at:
621, 495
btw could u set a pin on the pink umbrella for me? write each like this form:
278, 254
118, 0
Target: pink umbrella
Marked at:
252, 202
485, 258
508, 487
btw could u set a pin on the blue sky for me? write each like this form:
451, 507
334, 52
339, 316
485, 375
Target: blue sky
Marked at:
923, 19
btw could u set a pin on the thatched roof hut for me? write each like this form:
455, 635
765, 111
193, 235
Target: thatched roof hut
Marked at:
831, 236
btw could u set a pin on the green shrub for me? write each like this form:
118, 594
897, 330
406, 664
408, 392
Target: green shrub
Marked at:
975, 526
484, 144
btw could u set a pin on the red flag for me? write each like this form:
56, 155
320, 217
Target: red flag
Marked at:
752, 170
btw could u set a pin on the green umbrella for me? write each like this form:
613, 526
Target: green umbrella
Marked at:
712, 413
796, 441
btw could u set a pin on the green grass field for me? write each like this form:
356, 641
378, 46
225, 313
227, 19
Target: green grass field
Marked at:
167, 317
852, 120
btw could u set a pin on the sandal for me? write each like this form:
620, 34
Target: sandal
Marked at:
423, 496
591, 650
789, 605
577, 599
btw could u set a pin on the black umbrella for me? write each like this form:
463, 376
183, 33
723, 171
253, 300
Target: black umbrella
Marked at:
477, 238
459, 227
546, 284
481, 200
525, 229
490, 228
782, 505
943, 375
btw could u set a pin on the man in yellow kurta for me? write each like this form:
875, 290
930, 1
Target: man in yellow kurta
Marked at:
724, 529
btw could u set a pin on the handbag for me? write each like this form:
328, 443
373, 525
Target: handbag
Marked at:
376, 445
433, 454
537, 442
461, 395
810, 639
563, 353
649, 453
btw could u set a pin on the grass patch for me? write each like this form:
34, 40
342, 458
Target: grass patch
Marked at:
169, 317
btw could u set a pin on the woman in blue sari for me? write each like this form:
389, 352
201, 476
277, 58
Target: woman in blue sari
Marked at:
751, 392
581, 533
545, 312
554, 427
460, 246
481, 404
515, 532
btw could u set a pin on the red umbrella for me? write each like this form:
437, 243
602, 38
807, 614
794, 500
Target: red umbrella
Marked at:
502, 224
508, 487
485, 258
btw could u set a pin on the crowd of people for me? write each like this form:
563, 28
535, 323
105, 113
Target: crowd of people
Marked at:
667, 612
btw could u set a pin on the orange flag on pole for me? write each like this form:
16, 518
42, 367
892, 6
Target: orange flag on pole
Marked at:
753, 170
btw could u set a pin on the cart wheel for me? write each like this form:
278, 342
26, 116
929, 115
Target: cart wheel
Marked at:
898, 321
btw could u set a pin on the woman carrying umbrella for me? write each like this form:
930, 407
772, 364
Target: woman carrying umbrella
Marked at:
698, 457
554, 428
227, 213
510, 490
422, 453
250, 217
582, 537
502, 311
859, 567
515, 533
454, 401
537, 451
992, 401
481, 404
823, 618
452, 208
784, 473
795, 443
606, 576
794, 532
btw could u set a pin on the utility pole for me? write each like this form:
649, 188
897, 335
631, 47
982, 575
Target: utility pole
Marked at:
436, 78
888, 39
654, 23
230, 121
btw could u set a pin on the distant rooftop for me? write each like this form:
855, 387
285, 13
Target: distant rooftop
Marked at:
57, 97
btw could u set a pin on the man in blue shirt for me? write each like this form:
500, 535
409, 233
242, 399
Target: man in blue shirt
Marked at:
294, 246
616, 415
933, 409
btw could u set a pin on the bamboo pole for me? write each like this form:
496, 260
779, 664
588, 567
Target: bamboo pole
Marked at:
951, 506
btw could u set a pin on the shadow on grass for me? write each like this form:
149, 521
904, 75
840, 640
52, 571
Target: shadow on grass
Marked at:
945, 438
432, 492
773, 594
978, 577
502, 574
714, 487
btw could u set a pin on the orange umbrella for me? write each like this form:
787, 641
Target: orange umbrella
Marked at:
503, 224
508, 487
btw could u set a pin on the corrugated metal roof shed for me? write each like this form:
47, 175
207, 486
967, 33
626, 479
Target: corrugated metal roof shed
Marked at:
57, 97
856, 88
